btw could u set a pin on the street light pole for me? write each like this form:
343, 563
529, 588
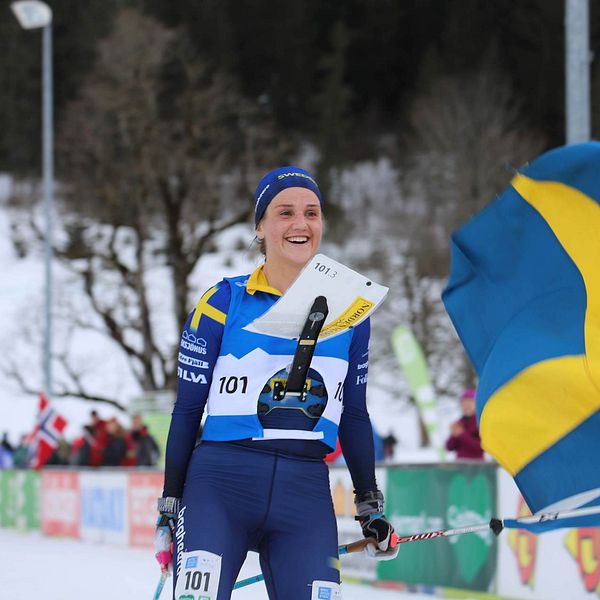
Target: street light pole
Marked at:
48, 193
577, 65
34, 14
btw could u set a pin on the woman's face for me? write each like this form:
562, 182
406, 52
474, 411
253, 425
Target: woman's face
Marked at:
468, 406
292, 227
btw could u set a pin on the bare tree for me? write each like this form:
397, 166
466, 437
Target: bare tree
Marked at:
156, 157
469, 137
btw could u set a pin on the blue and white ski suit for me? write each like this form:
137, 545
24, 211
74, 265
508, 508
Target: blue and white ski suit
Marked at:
258, 481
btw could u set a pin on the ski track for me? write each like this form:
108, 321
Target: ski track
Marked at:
35, 566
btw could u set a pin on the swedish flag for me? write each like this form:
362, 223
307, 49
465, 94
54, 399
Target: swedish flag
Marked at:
524, 297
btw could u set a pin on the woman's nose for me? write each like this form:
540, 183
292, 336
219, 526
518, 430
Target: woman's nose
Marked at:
299, 221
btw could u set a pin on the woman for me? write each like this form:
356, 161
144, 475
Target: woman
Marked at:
258, 480
464, 434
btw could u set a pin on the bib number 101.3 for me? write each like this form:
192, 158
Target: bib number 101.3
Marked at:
328, 271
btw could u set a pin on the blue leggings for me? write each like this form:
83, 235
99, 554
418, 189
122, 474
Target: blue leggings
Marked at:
237, 498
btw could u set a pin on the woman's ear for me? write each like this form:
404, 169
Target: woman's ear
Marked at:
259, 232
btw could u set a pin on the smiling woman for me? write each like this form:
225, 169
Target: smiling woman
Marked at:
291, 230
258, 480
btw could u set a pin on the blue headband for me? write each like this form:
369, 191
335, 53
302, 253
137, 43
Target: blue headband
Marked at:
278, 180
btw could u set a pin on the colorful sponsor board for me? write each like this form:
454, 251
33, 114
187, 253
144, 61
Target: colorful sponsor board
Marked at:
143, 490
430, 498
553, 566
104, 514
59, 502
19, 499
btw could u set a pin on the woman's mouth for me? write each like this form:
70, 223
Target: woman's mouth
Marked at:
297, 239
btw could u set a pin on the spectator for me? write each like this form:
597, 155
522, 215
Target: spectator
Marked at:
115, 449
6, 459
81, 449
389, 446
6, 444
145, 446
464, 433
21, 454
99, 435
61, 453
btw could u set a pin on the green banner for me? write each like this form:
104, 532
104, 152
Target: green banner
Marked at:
416, 372
425, 499
19, 499
158, 427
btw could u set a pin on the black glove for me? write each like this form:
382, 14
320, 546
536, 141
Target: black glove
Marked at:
369, 511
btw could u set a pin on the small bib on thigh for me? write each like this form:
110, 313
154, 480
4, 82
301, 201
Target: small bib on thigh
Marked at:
325, 590
199, 576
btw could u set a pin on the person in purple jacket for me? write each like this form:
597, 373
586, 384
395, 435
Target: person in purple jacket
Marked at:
464, 433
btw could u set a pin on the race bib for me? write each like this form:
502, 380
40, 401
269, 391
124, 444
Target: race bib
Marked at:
325, 590
199, 576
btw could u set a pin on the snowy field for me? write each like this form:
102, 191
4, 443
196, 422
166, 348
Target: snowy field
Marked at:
34, 566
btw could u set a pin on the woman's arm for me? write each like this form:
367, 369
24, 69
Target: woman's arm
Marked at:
355, 431
198, 352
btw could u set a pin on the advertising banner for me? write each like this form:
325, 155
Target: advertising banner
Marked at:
553, 566
426, 498
158, 426
104, 514
143, 490
19, 499
59, 502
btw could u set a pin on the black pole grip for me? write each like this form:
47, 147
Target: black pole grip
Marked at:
306, 346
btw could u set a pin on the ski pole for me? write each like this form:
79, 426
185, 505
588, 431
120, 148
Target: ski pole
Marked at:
496, 525
345, 549
161, 584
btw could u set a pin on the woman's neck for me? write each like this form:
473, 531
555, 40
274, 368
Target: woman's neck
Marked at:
280, 276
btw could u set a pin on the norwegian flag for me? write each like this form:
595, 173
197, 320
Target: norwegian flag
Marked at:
46, 435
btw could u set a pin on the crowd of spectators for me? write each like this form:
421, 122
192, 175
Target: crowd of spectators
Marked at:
107, 443
102, 443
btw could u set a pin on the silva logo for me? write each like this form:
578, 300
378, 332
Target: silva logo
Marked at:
191, 562
190, 376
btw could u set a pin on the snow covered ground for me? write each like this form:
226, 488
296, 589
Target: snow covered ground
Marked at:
35, 566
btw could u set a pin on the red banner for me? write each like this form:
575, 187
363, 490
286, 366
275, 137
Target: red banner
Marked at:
144, 489
60, 503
